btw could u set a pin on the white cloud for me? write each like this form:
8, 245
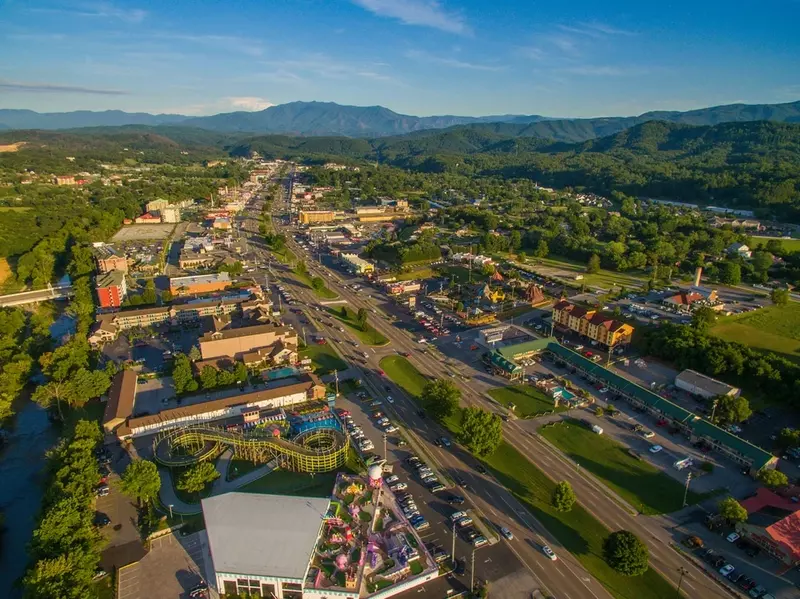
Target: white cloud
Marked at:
421, 56
323, 66
102, 10
425, 13
56, 88
606, 70
251, 103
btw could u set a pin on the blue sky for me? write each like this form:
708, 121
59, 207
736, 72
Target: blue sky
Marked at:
470, 57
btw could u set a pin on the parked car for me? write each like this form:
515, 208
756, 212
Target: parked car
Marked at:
733, 537
726, 570
398, 486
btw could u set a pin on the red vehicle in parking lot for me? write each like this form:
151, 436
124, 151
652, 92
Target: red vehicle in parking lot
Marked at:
588, 354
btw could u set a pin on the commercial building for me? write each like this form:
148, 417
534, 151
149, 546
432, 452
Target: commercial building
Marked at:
195, 285
699, 384
170, 214
107, 258
111, 289
156, 205
108, 326
357, 265
307, 217
592, 324
773, 524
148, 218
119, 405
235, 343
281, 393
283, 529
403, 287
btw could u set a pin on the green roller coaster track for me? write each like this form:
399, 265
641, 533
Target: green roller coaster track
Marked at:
320, 450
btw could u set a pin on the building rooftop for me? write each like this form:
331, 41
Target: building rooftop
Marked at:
111, 278
706, 383
120, 396
266, 535
245, 332
217, 277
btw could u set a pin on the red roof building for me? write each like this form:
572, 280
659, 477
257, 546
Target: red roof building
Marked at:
773, 523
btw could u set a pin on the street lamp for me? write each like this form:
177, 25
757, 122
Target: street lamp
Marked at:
683, 572
170, 511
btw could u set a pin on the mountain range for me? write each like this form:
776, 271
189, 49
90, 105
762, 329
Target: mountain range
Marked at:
328, 118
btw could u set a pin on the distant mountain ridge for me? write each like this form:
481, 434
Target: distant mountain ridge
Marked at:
331, 119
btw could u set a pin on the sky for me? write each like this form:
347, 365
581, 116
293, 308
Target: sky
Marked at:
581, 58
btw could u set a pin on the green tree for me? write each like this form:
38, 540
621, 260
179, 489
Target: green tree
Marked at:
317, 283
779, 297
563, 497
149, 294
166, 296
481, 431
731, 410
730, 273
731, 510
141, 481
704, 318
208, 377
593, 265
542, 249
441, 398
182, 373
197, 477
789, 438
241, 373
761, 261
773, 479
361, 318
194, 354
626, 553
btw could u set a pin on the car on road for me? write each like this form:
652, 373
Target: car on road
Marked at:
460, 481
733, 537
549, 553
506, 533
726, 570
648, 434
389, 399
455, 500
445, 441
655, 448
481, 468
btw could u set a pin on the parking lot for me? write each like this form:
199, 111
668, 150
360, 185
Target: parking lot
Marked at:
143, 233
171, 569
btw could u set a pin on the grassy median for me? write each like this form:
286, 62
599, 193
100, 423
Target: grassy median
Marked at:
529, 401
368, 335
578, 530
324, 358
636, 480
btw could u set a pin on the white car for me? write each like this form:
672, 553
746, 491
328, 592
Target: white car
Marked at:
733, 537
726, 570
390, 429
392, 479
398, 487
655, 448
389, 399
549, 553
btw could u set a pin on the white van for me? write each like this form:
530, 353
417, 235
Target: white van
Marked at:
597, 429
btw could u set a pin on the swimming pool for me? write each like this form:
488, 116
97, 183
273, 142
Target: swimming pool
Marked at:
563, 394
280, 373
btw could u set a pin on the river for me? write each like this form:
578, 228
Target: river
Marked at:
22, 462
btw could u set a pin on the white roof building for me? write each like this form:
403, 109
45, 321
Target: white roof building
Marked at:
265, 541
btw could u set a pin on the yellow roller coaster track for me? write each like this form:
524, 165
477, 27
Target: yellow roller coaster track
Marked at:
320, 450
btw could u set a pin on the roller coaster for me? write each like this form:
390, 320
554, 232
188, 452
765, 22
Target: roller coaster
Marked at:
317, 450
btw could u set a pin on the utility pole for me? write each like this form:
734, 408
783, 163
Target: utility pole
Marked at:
686, 490
472, 574
453, 552
683, 572
385, 454
336, 378
714, 408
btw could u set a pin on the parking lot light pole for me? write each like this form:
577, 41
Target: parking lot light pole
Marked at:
686, 491
472, 574
453, 552
170, 511
683, 572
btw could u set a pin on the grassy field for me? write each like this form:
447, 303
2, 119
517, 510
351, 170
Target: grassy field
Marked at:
324, 293
5, 271
788, 245
529, 401
403, 372
283, 482
772, 328
416, 274
577, 530
604, 278
14, 208
369, 336
641, 484
460, 274
323, 358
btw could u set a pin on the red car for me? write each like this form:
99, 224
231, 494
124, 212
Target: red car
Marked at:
588, 354
321, 341
381, 372
405, 354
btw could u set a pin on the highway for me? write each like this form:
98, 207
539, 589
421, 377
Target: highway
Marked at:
566, 576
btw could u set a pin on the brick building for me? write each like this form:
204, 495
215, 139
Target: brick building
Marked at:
111, 289
592, 324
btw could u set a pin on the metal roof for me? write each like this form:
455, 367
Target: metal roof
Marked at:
263, 535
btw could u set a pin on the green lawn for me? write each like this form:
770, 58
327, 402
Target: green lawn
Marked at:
460, 274
641, 484
284, 482
324, 293
772, 328
789, 245
604, 278
529, 400
403, 372
324, 358
416, 274
577, 530
369, 336
104, 588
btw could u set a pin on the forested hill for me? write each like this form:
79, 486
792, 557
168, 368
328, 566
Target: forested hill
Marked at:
331, 119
